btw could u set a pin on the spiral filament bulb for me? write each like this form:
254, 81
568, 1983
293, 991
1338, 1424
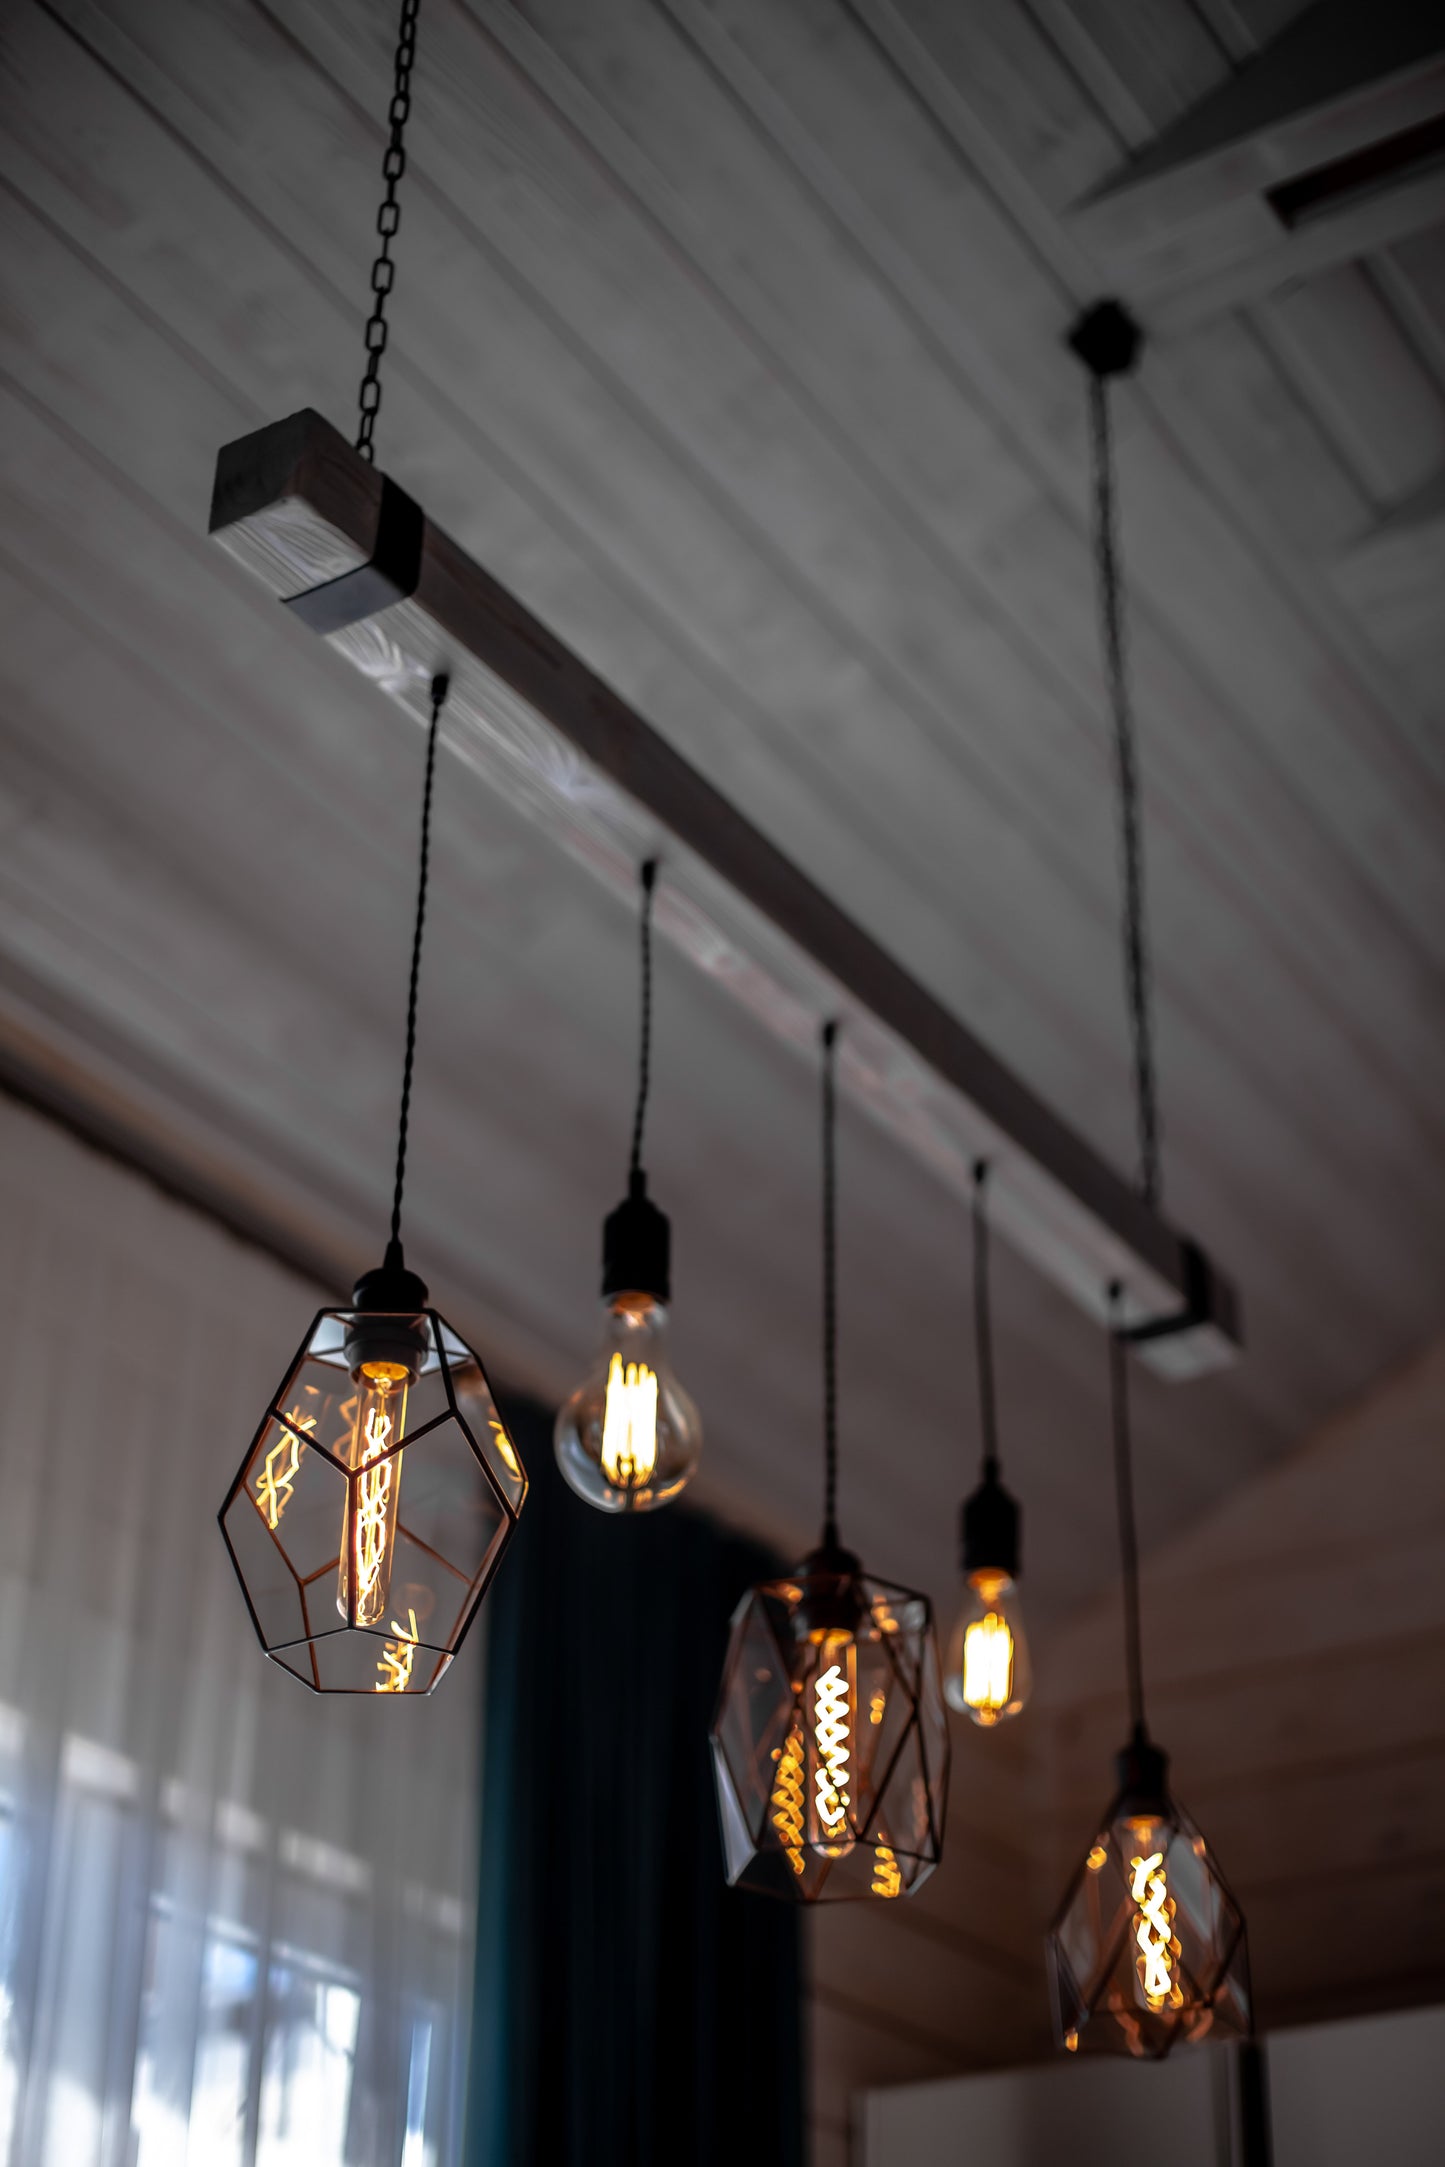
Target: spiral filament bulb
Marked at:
1154, 1933
887, 1874
787, 1800
834, 1695
629, 1426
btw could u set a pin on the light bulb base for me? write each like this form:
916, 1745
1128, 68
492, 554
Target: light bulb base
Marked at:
990, 1524
832, 1599
1143, 1771
637, 1246
389, 1327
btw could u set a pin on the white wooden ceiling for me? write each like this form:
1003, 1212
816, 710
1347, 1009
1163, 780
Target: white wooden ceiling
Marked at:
728, 333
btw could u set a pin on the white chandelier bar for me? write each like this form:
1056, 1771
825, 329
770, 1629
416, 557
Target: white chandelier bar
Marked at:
356, 559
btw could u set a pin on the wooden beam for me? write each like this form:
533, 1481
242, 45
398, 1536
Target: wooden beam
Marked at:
302, 510
1322, 148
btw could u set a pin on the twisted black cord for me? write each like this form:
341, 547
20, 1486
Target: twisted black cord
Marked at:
1124, 1495
388, 218
830, 1290
1131, 841
644, 1059
983, 1321
440, 686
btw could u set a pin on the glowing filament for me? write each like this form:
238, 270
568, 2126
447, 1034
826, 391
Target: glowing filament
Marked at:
832, 1732
887, 1874
629, 1425
988, 1666
397, 1656
369, 1531
277, 1478
787, 1800
1154, 1933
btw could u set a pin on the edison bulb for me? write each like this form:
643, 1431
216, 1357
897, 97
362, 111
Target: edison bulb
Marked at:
629, 1437
987, 1674
372, 1501
1143, 1843
829, 1753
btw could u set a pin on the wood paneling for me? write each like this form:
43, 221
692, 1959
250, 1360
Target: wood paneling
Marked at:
729, 336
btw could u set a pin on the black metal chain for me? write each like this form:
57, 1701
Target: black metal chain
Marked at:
1124, 1497
1131, 841
830, 1289
983, 1321
644, 1059
440, 686
388, 218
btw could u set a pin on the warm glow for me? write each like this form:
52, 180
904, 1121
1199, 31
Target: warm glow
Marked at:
629, 1426
277, 1478
1096, 1859
988, 1666
1154, 1933
369, 1530
834, 1695
787, 1800
397, 1656
887, 1874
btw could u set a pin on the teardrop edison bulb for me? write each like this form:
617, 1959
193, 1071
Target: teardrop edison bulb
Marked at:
629, 1437
987, 1674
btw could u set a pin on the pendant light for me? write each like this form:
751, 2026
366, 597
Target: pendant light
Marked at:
830, 1740
1148, 1947
986, 1675
629, 1437
381, 1486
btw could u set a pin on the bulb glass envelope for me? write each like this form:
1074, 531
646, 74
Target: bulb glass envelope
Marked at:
1148, 1948
830, 1741
373, 1508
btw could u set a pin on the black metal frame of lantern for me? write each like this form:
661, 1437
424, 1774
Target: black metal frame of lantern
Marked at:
381, 1487
830, 1740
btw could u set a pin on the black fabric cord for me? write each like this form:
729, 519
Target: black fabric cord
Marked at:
1124, 1494
648, 878
1138, 995
440, 686
983, 1321
830, 1290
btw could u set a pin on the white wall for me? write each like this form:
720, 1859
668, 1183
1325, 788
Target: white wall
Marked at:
1369, 2093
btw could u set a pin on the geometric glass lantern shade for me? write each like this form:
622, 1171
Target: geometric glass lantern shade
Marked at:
830, 1741
374, 1504
1149, 1946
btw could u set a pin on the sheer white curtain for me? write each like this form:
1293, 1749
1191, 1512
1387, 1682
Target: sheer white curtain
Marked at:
234, 1917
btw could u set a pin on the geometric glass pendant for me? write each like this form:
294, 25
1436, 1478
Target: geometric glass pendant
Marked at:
377, 1498
830, 1743
1148, 1948
830, 1738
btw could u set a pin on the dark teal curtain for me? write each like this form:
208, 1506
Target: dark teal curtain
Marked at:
630, 2010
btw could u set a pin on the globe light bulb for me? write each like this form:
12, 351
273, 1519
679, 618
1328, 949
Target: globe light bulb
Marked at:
629, 1437
986, 1673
